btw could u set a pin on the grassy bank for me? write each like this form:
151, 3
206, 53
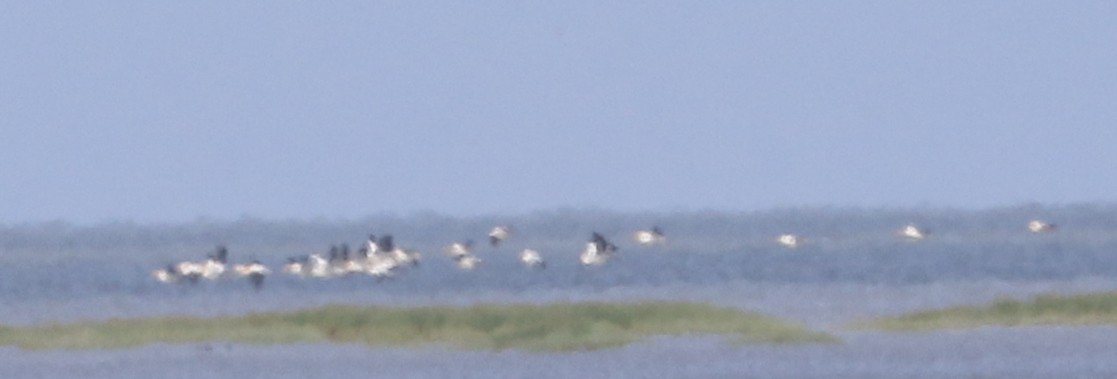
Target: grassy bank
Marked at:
1086, 309
553, 327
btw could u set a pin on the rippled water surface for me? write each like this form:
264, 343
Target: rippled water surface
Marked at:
852, 266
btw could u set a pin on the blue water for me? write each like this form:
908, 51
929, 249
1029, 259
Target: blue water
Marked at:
852, 266
61, 262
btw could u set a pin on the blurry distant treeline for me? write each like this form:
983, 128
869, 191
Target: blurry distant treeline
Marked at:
566, 226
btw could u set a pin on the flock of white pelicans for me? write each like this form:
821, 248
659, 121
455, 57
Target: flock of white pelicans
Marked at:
381, 258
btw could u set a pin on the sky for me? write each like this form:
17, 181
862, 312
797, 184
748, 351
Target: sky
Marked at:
173, 111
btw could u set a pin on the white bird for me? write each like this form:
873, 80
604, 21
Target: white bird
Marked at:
532, 259
591, 257
192, 271
297, 266
380, 265
406, 256
1040, 226
467, 262
399, 255
372, 246
384, 258
255, 271
789, 240
166, 275
913, 232
498, 234
317, 266
654, 236
458, 249
598, 251
213, 270
214, 266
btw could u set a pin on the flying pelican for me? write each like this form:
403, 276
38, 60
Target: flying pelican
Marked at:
192, 271
1040, 226
498, 234
913, 232
318, 266
255, 271
406, 256
383, 257
214, 266
467, 262
378, 261
298, 266
598, 251
400, 255
458, 249
379, 265
789, 240
372, 246
654, 236
532, 259
166, 275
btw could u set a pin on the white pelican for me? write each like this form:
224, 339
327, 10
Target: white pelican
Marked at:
372, 260
649, 237
166, 275
598, 251
401, 256
317, 266
913, 232
380, 265
467, 262
498, 234
383, 257
192, 271
373, 247
255, 271
789, 240
214, 266
406, 256
458, 249
591, 257
1040, 226
532, 259
297, 266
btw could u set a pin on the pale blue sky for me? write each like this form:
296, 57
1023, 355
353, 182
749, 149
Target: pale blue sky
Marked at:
169, 111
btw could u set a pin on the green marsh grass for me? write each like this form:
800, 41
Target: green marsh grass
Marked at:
1083, 309
551, 327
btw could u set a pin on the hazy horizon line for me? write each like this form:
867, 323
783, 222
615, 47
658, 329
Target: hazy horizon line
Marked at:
428, 213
